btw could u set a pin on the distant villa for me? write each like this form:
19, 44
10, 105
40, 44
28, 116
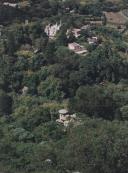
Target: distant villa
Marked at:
10, 4
51, 30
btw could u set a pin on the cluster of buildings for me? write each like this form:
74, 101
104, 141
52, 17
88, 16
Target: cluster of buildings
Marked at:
77, 48
52, 29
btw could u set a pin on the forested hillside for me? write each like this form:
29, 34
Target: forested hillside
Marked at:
64, 86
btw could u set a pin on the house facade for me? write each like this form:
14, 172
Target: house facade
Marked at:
77, 48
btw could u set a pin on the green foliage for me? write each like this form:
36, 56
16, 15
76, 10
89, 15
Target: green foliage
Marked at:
51, 89
5, 104
94, 101
95, 146
94, 86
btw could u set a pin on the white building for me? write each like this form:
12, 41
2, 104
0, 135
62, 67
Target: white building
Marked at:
63, 114
51, 30
25, 90
10, 4
65, 118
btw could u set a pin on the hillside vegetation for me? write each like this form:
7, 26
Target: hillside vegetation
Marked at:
64, 86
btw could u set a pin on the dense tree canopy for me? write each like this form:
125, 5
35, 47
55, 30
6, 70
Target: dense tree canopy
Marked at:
40, 73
